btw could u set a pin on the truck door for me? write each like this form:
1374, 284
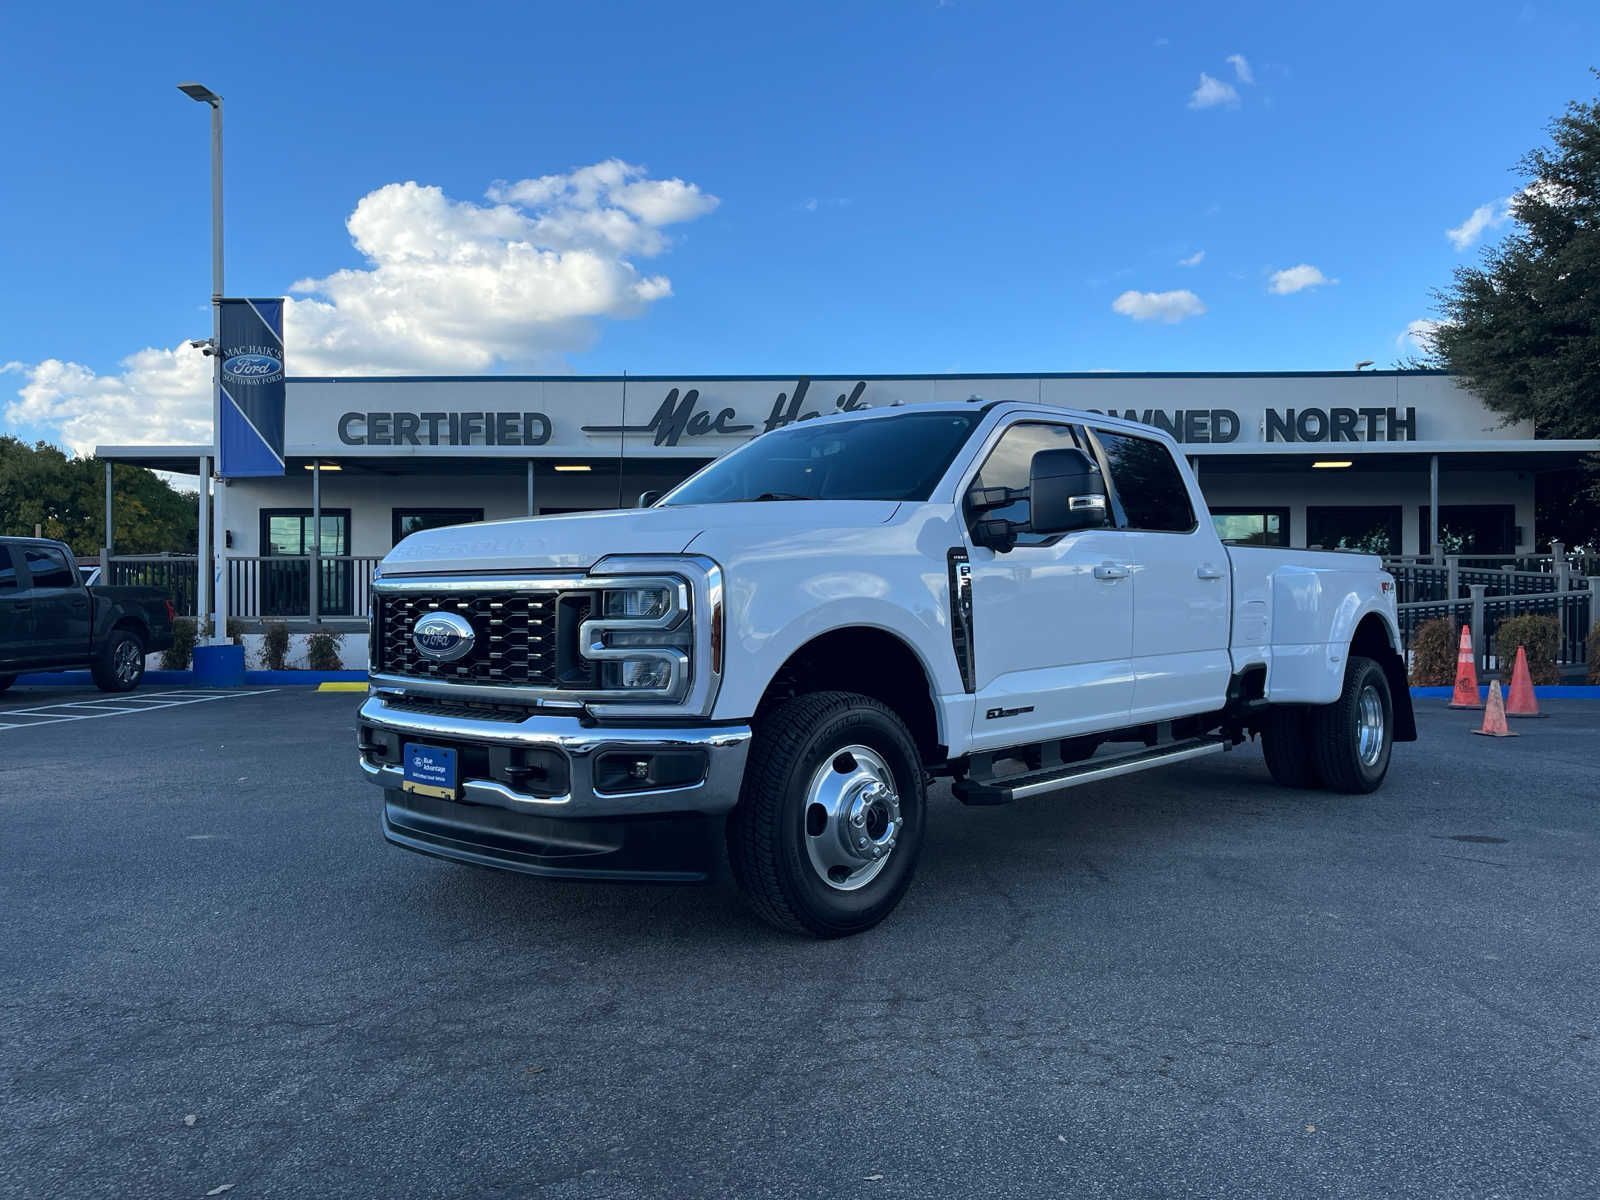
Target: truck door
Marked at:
16, 613
1052, 625
60, 605
1181, 580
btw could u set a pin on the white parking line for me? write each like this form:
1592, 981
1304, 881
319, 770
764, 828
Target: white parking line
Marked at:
70, 710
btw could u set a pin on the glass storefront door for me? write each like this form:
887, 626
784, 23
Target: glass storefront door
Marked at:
286, 586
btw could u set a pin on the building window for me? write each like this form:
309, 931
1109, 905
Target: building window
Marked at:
1252, 526
1470, 528
413, 520
1373, 528
286, 531
286, 586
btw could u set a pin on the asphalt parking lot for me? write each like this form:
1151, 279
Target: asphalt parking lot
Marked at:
1185, 983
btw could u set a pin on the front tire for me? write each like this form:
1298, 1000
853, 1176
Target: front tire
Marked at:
6, 681
829, 824
120, 664
1351, 739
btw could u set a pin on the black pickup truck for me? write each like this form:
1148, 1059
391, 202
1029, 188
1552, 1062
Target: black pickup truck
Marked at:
50, 621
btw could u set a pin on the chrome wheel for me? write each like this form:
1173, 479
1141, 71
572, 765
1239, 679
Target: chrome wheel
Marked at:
1369, 726
852, 818
125, 660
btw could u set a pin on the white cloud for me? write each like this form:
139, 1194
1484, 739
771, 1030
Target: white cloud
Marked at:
1213, 93
1497, 212
448, 286
1484, 217
1194, 260
1241, 68
160, 396
1418, 336
1168, 307
1297, 279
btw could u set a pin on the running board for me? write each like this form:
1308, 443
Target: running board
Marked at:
1006, 788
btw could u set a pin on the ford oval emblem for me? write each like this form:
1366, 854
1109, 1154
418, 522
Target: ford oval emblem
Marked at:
252, 367
443, 636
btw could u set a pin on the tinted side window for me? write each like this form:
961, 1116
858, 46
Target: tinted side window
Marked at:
48, 567
1008, 464
8, 572
1148, 483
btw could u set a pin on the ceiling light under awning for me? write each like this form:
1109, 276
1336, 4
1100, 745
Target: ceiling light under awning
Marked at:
325, 466
572, 466
1331, 463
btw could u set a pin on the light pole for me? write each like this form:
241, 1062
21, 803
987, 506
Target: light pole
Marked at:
207, 569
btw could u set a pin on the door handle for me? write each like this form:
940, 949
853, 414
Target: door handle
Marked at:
1207, 571
1110, 571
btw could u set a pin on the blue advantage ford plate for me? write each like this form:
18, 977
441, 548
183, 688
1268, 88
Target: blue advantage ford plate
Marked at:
430, 770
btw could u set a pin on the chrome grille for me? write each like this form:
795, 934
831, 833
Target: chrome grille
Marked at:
515, 636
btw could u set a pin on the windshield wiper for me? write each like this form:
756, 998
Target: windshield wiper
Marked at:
782, 496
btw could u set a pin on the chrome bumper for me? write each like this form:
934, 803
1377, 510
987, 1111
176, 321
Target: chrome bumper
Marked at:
724, 746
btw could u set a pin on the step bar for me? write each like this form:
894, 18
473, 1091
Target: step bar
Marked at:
1006, 788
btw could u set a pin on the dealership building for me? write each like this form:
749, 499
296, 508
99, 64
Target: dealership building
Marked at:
1384, 460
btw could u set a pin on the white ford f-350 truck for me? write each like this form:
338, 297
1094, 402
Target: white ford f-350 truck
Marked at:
783, 653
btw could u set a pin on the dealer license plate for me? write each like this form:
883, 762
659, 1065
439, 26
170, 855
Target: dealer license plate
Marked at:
429, 770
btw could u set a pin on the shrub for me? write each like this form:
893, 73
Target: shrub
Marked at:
274, 645
1434, 647
1594, 653
180, 654
236, 631
1539, 636
322, 651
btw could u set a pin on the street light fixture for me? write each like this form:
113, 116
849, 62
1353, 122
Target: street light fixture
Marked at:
208, 595
200, 92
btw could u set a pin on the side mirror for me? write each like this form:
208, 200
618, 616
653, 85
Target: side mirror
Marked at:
646, 499
1065, 492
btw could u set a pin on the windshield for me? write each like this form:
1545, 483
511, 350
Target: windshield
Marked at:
881, 458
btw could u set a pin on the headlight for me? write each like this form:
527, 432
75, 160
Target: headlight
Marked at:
639, 603
642, 638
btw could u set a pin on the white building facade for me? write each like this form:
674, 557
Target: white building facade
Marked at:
1385, 460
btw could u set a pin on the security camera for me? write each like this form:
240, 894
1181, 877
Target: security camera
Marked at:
203, 345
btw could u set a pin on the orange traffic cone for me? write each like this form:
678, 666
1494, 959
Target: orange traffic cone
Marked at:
1494, 717
1466, 694
1522, 702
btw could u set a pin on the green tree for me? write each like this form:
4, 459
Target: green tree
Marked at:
41, 485
1523, 328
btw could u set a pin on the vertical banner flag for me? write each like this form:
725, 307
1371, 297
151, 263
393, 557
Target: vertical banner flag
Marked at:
251, 437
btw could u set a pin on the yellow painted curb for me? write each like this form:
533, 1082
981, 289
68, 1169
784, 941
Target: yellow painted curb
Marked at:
341, 687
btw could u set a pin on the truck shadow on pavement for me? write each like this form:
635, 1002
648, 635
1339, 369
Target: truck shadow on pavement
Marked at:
1042, 856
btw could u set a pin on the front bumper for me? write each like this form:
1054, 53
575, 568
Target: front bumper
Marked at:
531, 793
579, 747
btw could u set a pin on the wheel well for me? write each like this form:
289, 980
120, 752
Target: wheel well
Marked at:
1371, 638
871, 662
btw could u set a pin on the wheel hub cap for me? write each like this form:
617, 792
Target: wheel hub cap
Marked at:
1369, 727
852, 818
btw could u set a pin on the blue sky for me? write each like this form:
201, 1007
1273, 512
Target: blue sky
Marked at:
965, 186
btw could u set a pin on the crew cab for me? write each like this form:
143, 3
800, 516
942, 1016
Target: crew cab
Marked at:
782, 653
51, 620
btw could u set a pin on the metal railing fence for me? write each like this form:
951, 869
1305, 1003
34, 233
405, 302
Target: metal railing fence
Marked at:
1576, 612
264, 587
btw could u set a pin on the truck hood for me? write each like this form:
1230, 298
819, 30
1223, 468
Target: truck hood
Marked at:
578, 540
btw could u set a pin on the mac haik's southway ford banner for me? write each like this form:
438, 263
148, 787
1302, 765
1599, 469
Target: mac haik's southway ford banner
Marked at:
250, 440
